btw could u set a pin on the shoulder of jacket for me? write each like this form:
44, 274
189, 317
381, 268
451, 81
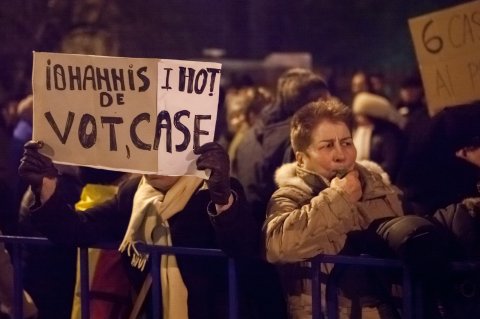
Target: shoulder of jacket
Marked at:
130, 185
286, 177
372, 170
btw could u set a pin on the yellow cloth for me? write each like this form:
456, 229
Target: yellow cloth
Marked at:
149, 224
92, 195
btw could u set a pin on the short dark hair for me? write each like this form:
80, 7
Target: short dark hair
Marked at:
296, 87
308, 117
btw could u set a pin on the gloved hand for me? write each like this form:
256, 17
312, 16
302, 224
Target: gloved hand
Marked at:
215, 158
35, 166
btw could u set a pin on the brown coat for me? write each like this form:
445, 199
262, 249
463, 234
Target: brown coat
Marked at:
306, 218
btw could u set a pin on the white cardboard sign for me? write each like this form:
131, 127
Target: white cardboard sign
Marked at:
129, 114
447, 45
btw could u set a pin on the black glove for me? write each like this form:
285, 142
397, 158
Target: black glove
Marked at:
214, 157
420, 243
35, 166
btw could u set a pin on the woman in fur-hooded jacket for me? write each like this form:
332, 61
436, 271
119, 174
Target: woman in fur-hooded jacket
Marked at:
321, 199
306, 217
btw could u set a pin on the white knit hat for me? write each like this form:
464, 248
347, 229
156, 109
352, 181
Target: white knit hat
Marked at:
376, 106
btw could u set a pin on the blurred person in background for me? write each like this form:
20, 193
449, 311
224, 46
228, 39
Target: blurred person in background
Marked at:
264, 146
22, 133
243, 109
378, 136
360, 82
412, 106
434, 173
379, 84
8, 215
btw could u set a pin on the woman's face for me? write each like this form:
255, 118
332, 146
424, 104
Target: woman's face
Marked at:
331, 150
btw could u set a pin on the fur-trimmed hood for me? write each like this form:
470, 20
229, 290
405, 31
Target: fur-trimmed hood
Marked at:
287, 175
305, 218
373, 176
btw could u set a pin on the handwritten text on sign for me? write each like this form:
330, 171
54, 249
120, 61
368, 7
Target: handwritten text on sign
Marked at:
447, 45
140, 115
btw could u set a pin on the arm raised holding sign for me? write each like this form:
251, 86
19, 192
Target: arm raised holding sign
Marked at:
213, 157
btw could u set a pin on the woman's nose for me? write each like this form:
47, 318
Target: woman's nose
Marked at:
339, 155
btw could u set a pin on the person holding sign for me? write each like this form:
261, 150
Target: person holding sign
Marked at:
154, 209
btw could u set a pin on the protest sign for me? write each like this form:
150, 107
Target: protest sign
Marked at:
447, 45
129, 114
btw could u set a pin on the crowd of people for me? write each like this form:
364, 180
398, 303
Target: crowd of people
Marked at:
296, 171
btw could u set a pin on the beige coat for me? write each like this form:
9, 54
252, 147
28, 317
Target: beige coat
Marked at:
306, 218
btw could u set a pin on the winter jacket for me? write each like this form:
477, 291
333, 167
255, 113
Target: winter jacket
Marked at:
247, 168
306, 218
259, 154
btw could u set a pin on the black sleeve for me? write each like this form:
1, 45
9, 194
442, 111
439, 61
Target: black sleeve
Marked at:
237, 232
58, 220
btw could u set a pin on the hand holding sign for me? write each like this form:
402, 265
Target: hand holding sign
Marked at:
35, 166
214, 157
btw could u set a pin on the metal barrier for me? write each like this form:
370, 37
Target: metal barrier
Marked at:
155, 252
331, 288
410, 291
412, 298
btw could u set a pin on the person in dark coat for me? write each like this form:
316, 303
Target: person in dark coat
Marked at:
440, 179
8, 216
378, 135
412, 106
264, 146
51, 290
434, 174
181, 211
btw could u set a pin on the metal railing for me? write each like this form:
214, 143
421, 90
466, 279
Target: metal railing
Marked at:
411, 297
155, 252
331, 289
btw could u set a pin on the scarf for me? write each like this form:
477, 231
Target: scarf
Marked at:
149, 224
362, 138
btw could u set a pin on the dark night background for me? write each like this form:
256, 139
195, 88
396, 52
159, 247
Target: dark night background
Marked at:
341, 35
